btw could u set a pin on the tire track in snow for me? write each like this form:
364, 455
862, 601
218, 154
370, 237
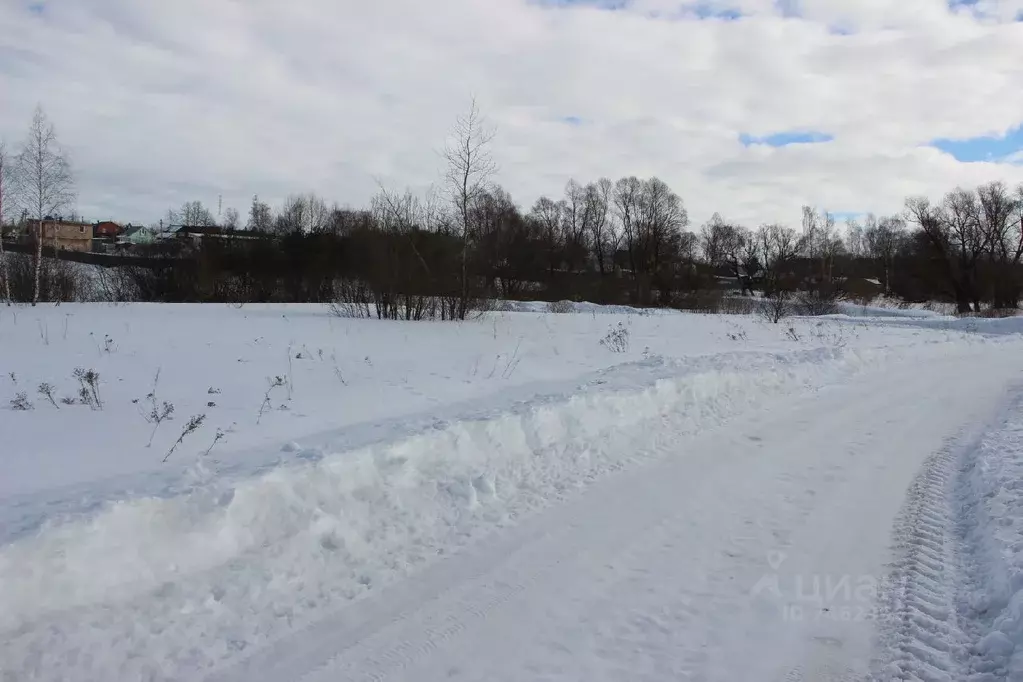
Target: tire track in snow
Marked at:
925, 634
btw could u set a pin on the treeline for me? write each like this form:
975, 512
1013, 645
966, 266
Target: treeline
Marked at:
624, 242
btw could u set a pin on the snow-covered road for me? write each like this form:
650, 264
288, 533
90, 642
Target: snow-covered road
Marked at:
750, 551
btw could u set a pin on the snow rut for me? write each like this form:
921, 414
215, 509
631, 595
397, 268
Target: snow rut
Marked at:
923, 630
931, 628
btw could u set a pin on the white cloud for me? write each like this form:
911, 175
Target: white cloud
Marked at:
165, 102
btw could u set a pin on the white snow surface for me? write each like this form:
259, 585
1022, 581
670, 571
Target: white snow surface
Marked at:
507, 499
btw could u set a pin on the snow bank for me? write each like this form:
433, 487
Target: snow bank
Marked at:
569, 307
159, 588
890, 306
1003, 326
992, 499
871, 310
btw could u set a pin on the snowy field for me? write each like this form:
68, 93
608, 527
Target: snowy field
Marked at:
594, 495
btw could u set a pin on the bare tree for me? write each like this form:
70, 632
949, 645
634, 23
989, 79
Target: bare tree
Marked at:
628, 205
830, 245
712, 238
1000, 220
575, 224
469, 170
406, 214
231, 219
882, 240
820, 240
665, 217
731, 246
779, 247
401, 279
195, 214
855, 238
810, 239
659, 221
5, 171
260, 216
954, 232
602, 232
547, 214
303, 214
44, 179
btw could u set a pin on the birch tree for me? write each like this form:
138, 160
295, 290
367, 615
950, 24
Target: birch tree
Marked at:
260, 216
5, 187
470, 168
45, 182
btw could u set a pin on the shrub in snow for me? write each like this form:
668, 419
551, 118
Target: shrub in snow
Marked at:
157, 411
276, 382
88, 387
828, 335
21, 402
559, 307
777, 306
351, 299
191, 427
46, 390
737, 334
617, 339
216, 439
819, 299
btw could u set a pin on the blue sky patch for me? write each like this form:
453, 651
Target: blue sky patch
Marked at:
36, 7
844, 216
784, 139
788, 8
988, 148
706, 11
572, 120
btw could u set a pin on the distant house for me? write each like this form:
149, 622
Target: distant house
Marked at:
194, 231
199, 232
68, 235
860, 287
135, 235
106, 229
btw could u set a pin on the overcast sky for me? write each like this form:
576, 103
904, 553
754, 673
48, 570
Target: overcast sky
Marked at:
746, 107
